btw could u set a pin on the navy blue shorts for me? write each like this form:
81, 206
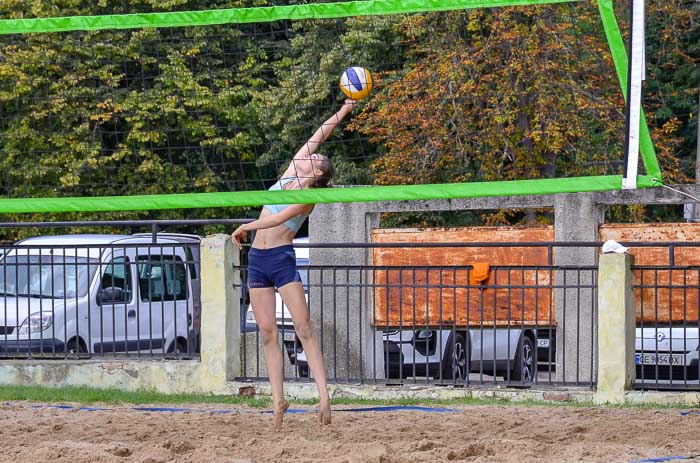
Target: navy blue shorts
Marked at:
274, 267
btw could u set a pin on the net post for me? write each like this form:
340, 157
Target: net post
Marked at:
634, 91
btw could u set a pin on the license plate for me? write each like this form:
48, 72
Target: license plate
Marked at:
659, 359
543, 343
289, 335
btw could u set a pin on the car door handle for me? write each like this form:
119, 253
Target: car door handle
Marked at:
131, 313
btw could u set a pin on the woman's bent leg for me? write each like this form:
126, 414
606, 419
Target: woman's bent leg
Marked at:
263, 301
293, 296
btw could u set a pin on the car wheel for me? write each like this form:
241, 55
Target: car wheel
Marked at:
457, 358
178, 349
524, 365
75, 348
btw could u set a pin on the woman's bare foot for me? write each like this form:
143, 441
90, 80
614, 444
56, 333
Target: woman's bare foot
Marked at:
278, 415
324, 412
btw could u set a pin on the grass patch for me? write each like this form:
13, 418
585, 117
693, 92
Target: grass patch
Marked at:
88, 395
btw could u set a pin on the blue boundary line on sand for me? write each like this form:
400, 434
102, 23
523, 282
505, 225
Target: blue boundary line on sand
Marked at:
661, 459
391, 408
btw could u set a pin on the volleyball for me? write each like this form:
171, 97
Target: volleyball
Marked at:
356, 82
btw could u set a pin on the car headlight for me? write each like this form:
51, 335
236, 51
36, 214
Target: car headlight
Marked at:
36, 322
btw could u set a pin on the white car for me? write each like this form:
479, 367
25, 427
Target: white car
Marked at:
452, 355
100, 294
667, 355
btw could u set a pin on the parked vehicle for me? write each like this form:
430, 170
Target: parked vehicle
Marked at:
100, 294
452, 354
667, 355
447, 353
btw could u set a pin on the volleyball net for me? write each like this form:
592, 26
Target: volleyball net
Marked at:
198, 109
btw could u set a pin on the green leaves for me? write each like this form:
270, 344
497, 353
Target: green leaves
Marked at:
496, 94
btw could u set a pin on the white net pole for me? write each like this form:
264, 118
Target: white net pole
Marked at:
634, 101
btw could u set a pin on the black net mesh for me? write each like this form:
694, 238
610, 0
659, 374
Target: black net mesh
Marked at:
486, 94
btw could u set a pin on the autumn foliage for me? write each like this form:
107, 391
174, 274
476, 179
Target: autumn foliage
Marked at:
462, 96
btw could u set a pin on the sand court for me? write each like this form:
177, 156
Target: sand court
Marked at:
217, 434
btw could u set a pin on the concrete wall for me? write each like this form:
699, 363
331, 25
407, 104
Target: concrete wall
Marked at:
577, 217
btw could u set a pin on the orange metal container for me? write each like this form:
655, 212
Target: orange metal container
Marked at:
431, 297
435, 296
666, 296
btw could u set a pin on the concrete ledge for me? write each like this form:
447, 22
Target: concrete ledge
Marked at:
305, 391
165, 376
691, 399
188, 376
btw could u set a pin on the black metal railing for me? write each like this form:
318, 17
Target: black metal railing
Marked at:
518, 325
667, 298
398, 323
100, 296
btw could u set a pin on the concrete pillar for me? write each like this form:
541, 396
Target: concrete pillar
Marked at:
576, 218
340, 298
616, 328
220, 326
374, 343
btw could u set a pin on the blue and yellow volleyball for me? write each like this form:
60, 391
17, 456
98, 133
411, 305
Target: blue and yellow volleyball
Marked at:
356, 82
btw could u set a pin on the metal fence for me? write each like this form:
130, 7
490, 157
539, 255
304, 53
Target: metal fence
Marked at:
517, 325
667, 283
102, 295
80, 296
87, 296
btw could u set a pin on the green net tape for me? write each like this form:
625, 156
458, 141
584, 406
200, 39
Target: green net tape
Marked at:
326, 195
250, 15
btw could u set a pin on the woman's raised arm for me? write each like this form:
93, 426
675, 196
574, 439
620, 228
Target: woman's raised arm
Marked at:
321, 135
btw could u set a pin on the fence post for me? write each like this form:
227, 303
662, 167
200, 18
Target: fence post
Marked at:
576, 218
616, 328
220, 324
352, 341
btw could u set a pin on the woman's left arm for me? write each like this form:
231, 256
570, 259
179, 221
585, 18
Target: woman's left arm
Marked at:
269, 221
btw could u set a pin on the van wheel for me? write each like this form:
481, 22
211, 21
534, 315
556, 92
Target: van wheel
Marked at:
457, 359
523, 369
75, 347
178, 349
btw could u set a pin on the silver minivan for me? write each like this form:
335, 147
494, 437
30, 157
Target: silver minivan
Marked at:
100, 294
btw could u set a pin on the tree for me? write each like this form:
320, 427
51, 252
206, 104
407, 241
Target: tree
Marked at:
498, 95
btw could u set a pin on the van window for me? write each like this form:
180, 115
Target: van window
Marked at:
117, 274
53, 276
189, 255
162, 278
